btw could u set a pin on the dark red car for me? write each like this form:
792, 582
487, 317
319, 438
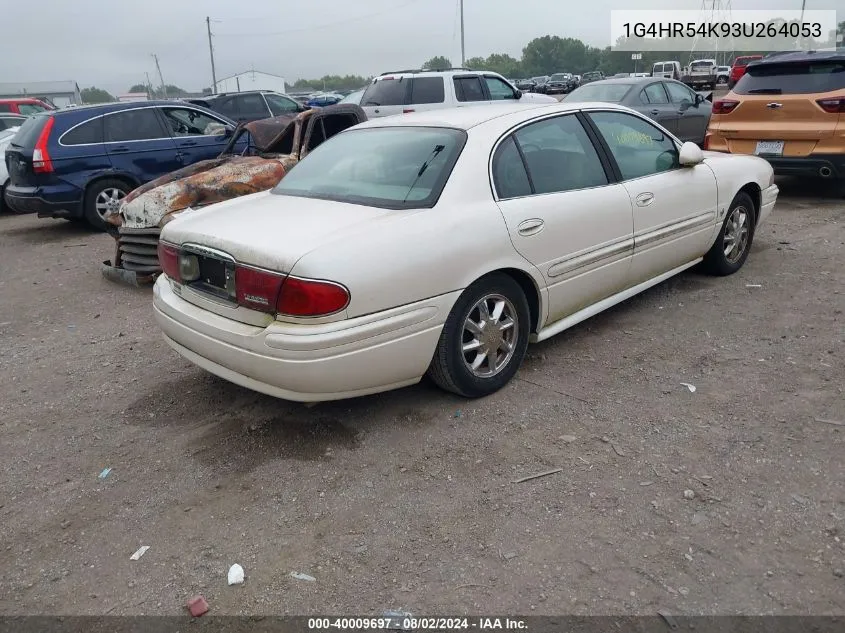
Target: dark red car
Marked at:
738, 68
24, 105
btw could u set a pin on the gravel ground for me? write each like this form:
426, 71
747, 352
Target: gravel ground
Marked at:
406, 500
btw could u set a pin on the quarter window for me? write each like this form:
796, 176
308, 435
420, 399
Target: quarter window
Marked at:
469, 89
509, 175
134, 125
639, 148
89, 132
560, 156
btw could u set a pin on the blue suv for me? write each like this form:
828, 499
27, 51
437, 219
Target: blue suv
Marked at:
80, 163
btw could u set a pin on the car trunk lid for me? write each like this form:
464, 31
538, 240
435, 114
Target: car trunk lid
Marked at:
263, 230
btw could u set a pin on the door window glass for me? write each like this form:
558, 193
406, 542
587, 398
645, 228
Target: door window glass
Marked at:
469, 89
639, 148
509, 175
427, 90
560, 156
499, 89
134, 125
655, 94
679, 92
190, 122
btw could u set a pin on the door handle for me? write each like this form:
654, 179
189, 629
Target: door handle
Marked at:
530, 227
645, 199
655, 111
188, 144
120, 149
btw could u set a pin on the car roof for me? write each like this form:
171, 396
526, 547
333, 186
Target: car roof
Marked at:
798, 57
472, 116
118, 106
20, 100
626, 80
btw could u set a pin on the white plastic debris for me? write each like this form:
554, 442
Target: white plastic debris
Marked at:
236, 574
753, 285
300, 576
141, 551
688, 386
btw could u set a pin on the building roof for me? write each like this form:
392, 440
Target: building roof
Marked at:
39, 87
247, 72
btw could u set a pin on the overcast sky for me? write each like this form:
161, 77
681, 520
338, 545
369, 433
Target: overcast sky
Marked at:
108, 43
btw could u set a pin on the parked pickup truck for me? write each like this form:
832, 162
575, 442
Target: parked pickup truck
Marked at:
701, 74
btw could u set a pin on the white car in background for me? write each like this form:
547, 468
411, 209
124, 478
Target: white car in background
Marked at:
5, 138
407, 91
443, 242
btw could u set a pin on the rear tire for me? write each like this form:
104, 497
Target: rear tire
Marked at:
101, 196
732, 245
484, 339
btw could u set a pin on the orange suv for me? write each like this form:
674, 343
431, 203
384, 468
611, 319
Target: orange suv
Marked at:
788, 108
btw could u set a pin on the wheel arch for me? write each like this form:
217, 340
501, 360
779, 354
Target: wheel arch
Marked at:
529, 287
129, 180
754, 192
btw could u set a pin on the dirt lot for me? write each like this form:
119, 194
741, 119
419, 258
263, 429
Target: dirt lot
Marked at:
405, 500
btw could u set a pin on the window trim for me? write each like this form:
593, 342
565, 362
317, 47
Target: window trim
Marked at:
610, 169
661, 86
618, 172
159, 114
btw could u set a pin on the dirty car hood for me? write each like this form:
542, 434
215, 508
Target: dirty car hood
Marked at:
200, 184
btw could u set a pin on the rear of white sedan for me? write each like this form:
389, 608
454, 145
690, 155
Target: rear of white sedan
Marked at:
329, 286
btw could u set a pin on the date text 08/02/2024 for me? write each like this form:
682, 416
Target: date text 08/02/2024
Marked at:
411, 623
722, 29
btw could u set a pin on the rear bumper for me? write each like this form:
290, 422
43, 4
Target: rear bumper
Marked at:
811, 165
306, 363
46, 203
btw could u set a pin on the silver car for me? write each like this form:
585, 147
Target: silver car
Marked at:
672, 104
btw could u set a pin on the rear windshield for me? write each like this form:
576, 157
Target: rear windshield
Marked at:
390, 167
793, 78
385, 92
600, 92
701, 65
27, 135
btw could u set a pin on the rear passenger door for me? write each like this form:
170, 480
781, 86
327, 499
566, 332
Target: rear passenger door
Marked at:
83, 155
138, 144
655, 105
198, 136
564, 212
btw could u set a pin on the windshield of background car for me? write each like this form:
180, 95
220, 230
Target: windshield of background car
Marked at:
613, 93
386, 167
793, 78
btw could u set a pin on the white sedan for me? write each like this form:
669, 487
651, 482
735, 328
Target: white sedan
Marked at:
5, 138
443, 242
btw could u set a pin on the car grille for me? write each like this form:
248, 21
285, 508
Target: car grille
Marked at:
138, 250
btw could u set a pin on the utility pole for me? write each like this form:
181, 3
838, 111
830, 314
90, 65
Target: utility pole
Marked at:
161, 79
211, 52
463, 47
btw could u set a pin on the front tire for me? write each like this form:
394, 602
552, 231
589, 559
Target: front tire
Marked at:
731, 248
484, 339
102, 196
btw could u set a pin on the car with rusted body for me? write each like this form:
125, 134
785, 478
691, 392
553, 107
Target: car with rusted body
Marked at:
273, 147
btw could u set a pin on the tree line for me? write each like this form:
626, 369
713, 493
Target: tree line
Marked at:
541, 56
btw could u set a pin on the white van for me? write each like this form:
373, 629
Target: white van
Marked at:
667, 70
416, 90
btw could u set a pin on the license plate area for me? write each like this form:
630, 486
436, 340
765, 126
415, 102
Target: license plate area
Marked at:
216, 273
769, 148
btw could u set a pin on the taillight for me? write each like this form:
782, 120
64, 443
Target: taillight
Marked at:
832, 105
724, 106
309, 297
257, 289
41, 163
168, 258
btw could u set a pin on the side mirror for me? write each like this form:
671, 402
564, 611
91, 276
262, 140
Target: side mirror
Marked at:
698, 100
690, 155
228, 130
517, 93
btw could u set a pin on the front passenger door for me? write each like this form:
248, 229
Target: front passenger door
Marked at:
674, 207
693, 116
656, 106
563, 213
197, 135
